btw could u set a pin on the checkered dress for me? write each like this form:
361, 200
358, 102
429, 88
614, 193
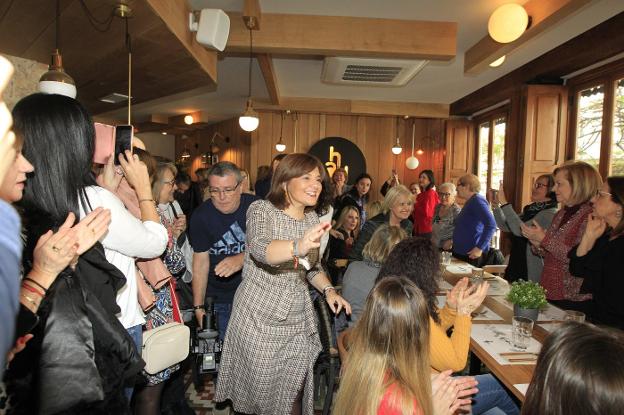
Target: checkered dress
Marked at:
271, 342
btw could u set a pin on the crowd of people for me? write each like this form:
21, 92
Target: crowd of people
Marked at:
102, 248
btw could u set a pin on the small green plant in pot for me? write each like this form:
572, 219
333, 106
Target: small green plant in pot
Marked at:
528, 298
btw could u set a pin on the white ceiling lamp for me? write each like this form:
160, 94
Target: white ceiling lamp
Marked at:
412, 162
280, 146
56, 80
188, 119
508, 23
249, 121
498, 62
396, 148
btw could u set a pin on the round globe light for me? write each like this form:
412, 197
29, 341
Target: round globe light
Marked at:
412, 163
498, 62
280, 147
508, 23
188, 119
397, 149
248, 123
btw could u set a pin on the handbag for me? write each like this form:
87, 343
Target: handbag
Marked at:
165, 346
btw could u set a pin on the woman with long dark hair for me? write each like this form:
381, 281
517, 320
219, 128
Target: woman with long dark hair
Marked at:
579, 370
419, 260
357, 196
599, 257
272, 343
426, 201
523, 262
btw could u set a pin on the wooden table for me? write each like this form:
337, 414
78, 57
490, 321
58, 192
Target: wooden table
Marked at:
509, 375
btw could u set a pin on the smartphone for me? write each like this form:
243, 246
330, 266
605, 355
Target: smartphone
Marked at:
104, 142
123, 140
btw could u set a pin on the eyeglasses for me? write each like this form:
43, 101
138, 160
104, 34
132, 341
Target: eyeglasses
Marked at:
444, 194
460, 184
228, 191
537, 185
169, 182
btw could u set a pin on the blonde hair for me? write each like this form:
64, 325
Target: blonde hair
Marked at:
343, 217
471, 182
393, 196
584, 179
382, 242
373, 209
158, 184
389, 347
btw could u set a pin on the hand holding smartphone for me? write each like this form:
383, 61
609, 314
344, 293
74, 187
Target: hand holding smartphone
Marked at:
123, 140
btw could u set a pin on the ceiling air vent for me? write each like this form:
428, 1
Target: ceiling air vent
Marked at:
378, 72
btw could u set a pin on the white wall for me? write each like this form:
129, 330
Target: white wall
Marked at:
159, 145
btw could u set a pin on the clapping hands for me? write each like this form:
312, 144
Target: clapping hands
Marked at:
534, 233
450, 393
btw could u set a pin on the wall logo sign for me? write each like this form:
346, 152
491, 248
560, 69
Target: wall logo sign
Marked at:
336, 152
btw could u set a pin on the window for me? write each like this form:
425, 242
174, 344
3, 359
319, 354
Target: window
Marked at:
491, 152
589, 125
597, 121
617, 147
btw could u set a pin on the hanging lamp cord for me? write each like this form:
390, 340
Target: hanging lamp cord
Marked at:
250, 59
58, 25
129, 48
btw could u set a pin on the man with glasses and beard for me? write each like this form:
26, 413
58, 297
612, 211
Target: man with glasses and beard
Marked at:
217, 235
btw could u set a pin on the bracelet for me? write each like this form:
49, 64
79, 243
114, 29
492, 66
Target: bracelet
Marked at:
199, 307
30, 300
45, 290
296, 261
295, 248
146, 200
328, 288
33, 290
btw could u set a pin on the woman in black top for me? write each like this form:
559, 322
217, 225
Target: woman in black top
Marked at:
599, 258
341, 239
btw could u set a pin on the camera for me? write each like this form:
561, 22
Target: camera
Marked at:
205, 345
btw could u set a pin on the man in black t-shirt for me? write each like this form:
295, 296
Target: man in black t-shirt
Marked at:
217, 235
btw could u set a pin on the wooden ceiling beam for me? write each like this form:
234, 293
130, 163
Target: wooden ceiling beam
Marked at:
270, 77
544, 15
174, 13
356, 107
294, 34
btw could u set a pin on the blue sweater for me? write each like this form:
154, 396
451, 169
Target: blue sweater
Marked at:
10, 254
474, 226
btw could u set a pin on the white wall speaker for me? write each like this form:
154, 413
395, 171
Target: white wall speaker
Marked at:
212, 27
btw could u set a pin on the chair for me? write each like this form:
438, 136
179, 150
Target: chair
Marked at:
327, 367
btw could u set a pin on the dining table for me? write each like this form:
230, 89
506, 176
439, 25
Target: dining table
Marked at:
490, 339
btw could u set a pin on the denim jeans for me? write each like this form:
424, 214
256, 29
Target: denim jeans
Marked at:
136, 332
223, 311
492, 395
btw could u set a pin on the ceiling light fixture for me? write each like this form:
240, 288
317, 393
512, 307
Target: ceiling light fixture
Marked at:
412, 162
188, 119
249, 120
508, 23
164, 133
185, 154
280, 146
498, 62
56, 80
396, 148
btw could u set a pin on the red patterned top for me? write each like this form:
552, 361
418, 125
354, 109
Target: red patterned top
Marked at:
388, 405
559, 240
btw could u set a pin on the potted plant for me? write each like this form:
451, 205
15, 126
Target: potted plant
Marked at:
527, 297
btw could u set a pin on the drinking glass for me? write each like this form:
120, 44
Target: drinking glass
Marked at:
573, 315
521, 332
477, 276
446, 258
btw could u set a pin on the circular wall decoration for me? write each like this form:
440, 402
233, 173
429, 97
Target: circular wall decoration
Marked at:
335, 152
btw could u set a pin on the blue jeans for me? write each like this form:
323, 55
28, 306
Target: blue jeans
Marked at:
136, 332
492, 395
223, 311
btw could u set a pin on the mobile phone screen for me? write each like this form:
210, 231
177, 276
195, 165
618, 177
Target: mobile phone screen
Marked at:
123, 140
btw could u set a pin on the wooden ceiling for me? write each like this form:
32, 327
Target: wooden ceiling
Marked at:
98, 61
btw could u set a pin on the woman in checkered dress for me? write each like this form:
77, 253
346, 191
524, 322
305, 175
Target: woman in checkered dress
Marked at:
272, 342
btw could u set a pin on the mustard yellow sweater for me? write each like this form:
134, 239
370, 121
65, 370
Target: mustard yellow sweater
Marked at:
449, 352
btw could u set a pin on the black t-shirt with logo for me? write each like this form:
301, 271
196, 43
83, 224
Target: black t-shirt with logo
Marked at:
222, 235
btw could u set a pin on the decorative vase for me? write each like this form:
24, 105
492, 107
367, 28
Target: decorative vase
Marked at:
531, 313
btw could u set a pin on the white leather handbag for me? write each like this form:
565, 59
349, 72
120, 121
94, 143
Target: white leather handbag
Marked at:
165, 346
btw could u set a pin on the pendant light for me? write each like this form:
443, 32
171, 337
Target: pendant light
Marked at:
280, 146
396, 148
508, 23
412, 162
56, 80
249, 120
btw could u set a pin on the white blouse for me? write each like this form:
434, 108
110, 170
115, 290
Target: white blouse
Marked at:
127, 238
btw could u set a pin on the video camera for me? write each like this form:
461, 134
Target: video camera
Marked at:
205, 345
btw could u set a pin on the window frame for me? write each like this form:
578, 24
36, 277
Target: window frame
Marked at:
606, 75
490, 118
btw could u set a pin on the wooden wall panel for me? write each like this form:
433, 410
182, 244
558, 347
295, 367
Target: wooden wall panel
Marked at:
374, 136
543, 132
